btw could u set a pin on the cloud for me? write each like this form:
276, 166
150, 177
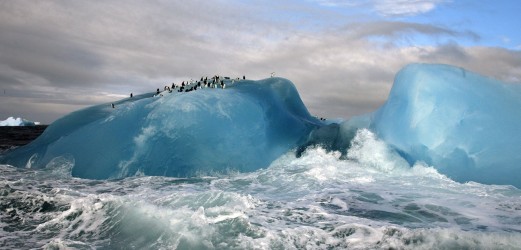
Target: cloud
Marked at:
395, 30
405, 7
57, 56
393, 8
337, 3
341, 74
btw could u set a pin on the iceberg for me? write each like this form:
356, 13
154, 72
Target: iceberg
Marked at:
242, 127
465, 125
11, 121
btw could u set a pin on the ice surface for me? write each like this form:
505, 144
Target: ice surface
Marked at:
243, 127
465, 125
11, 121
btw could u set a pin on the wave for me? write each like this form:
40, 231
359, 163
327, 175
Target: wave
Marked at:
319, 200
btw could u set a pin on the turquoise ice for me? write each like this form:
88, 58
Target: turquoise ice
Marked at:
243, 127
465, 125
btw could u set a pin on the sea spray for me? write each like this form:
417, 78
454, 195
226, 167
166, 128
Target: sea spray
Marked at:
315, 201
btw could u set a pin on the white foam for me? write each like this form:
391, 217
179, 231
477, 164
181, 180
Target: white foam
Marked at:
370, 152
317, 201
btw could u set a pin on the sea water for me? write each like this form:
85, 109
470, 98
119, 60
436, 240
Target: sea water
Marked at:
250, 168
369, 199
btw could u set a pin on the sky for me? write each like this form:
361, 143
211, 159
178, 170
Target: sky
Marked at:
60, 56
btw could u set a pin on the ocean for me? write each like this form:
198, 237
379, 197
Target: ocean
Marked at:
321, 200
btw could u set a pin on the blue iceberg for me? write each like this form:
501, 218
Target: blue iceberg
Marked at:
465, 125
242, 127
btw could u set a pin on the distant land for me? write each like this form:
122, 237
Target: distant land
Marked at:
15, 136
